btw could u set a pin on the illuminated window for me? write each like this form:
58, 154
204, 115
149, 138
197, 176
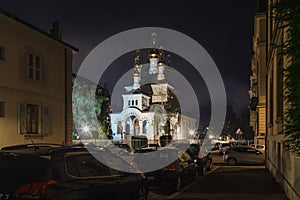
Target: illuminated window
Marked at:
33, 67
32, 113
33, 119
2, 109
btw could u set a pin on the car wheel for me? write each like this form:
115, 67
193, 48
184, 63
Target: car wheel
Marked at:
196, 175
209, 167
231, 161
142, 193
201, 170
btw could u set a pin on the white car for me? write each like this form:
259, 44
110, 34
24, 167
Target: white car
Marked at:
244, 155
258, 146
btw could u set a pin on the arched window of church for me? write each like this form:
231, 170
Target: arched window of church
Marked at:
136, 127
119, 128
129, 103
128, 129
132, 102
144, 126
136, 102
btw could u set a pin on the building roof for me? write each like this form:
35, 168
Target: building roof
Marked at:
7, 14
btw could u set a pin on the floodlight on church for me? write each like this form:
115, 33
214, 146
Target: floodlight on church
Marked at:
86, 129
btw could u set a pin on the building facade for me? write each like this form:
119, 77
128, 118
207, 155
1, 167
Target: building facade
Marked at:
35, 84
257, 91
282, 163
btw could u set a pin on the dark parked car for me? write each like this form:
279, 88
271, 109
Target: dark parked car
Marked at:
61, 172
120, 148
171, 171
153, 146
204, 162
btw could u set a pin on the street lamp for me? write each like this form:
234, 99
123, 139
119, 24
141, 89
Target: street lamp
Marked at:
86, 129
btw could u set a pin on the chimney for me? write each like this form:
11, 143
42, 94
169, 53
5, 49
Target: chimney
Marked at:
55, 31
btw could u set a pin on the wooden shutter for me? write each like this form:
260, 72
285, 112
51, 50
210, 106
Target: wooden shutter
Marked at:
46, 120
22, 118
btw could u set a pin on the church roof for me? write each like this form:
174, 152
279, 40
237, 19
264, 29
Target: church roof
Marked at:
136, 91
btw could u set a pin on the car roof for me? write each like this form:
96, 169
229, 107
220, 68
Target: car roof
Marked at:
34, 149
48, 151
245, 147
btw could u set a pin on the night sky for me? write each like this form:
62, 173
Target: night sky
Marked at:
223, 28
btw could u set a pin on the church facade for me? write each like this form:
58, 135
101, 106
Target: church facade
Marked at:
151, 109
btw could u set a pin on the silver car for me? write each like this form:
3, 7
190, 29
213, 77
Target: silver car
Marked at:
244, 154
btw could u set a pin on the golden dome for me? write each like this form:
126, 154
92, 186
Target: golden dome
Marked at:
161, 61
154, 53
136, 73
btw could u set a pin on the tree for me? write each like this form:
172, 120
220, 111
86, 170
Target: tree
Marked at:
86, 109
287, 15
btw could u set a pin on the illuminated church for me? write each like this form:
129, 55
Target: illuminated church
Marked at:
150, 109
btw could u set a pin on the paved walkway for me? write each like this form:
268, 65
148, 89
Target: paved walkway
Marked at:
233, 183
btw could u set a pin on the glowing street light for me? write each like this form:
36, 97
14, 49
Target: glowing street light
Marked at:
86, 129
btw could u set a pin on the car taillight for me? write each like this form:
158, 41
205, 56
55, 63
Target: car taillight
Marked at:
34, 190
133, 164
170, 167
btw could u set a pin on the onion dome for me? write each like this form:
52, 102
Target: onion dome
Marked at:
161, 61
153, 53
136, 72
137, 61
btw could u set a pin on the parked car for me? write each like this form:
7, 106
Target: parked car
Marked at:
169, 170
204, 162
224, 147
120, 148
67, 172
258, 146
244, 155
154, 146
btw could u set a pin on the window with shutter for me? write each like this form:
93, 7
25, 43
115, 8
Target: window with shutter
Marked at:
2, 53
2, 109
46, 120
22, 118
33, 119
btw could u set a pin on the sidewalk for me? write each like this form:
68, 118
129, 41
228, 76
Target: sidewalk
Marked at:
233, 183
